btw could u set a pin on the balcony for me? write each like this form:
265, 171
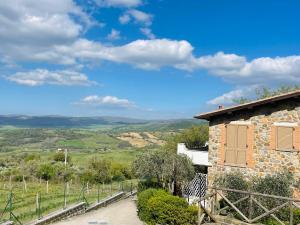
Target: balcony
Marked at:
198, 156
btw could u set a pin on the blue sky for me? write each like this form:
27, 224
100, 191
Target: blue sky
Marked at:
144, 59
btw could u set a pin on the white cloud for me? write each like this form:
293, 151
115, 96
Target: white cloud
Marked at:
124, 19
113, 35
118, 3
49, 31
137, 16
227, 98
147, 32
147, 54
41, 76
33, 27
106, 101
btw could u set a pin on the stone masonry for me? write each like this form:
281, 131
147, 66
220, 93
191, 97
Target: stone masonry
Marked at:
263, 158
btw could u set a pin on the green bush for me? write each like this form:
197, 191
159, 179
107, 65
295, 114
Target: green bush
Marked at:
148, 183
279, 184
156, 206
142, 202
60, 157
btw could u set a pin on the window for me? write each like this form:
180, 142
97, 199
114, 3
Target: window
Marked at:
236, 145
284, 138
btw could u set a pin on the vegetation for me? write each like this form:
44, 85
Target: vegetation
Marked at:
156, 206
193, 137
32, 160
24, 200
265, 92
164, 169
279, 185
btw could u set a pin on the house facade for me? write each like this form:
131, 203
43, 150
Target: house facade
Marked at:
256, 138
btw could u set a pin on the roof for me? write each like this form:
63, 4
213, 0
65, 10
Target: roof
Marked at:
249, 105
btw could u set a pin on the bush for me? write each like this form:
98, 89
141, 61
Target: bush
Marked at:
156, 206
120, 172
148, 183
142, 202
279, 184
60, 157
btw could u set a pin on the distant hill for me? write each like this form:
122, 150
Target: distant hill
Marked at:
63, 121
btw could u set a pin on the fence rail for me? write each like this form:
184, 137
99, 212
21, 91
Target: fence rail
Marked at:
21, 206
247, 206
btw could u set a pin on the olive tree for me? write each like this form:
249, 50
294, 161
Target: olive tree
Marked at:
169, 169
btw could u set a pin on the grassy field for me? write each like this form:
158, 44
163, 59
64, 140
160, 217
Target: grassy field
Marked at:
24, 203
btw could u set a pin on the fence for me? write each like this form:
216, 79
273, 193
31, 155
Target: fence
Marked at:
196, 188
249, 207
38, 199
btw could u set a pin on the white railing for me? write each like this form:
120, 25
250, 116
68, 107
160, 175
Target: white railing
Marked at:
197, 157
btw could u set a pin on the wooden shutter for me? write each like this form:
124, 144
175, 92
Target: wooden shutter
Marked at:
250, 142
273, 138
231, 144
296, 138
241, 145
285, 138
222, 128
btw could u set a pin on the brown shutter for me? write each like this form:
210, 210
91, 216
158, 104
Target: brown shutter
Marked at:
241, 145
285, 138
231, 144
222, 128
296, 138
250, 143
273, 137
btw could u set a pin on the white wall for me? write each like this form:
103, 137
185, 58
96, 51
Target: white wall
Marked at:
197, 157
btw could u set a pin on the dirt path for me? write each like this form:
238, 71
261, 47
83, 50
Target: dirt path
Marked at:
120, 213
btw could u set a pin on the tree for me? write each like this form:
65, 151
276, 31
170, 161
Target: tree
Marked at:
194, 137
150, 165
169, 169
46, 171
101, 169
86, 175
63, 172
60, 157
264, 92
241, 100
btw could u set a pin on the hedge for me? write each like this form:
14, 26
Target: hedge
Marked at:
156, 206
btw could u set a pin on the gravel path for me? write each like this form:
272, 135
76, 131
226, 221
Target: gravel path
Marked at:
120, 213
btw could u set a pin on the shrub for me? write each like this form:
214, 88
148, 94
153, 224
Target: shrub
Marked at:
156, 206
235, 181
279, 184
60, 157
148, 183
120, 172
142, 202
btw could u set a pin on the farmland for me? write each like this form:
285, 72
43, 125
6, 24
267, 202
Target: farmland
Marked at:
99, 160
24, 201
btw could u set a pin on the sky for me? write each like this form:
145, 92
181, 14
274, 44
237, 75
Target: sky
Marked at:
157, 59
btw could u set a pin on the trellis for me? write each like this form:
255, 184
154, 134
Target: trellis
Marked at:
197, 187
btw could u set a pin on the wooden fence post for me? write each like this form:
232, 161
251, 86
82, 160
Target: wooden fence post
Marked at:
250, 207
291, 213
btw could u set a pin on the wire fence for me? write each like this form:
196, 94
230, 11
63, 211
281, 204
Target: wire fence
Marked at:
20, 203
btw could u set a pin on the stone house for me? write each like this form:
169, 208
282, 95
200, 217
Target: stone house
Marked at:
257, 138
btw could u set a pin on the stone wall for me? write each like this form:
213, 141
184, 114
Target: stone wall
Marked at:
265, 160
77, 209
61, 214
